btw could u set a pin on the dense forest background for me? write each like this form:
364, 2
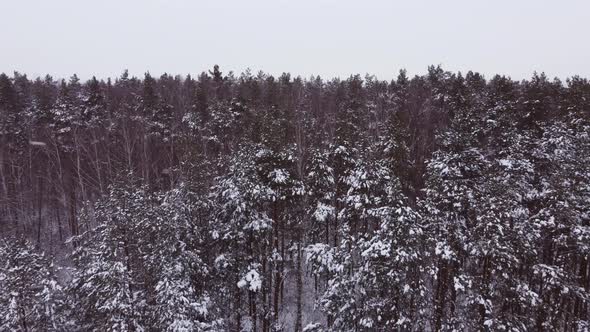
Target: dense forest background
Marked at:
441, 202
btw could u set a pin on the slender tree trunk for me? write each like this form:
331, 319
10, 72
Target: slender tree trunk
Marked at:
128, 148
253, 312
146, 161
58, 218
3, 177
267, 286
72, 206
6, 203
238, 312
439, 301
79, 170
171, 164
97, 162
299, 281
277, 285
282, 263
39, 208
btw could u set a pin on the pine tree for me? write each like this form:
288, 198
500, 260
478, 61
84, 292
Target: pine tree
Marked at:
139, 264
244, 228
12, 131
30, 297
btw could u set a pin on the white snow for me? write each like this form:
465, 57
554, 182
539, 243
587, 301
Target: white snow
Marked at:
252, 279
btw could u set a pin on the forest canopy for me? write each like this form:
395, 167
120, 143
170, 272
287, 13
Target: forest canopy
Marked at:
224, 202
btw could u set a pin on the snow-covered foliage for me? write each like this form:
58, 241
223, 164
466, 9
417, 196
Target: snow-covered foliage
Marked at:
31, 299
139, 264
441, 202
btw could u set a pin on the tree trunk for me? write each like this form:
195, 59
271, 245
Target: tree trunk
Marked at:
39, 208
237, 308
439, 301
299, 281
72, 206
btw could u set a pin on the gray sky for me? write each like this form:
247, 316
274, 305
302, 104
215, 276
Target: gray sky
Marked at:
304, 37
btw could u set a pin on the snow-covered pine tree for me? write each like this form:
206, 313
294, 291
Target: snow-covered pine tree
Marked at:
243, 229
558, 206
376, 271
450, 207
31, 299
139, 264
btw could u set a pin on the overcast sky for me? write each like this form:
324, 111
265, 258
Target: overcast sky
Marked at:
304, 37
